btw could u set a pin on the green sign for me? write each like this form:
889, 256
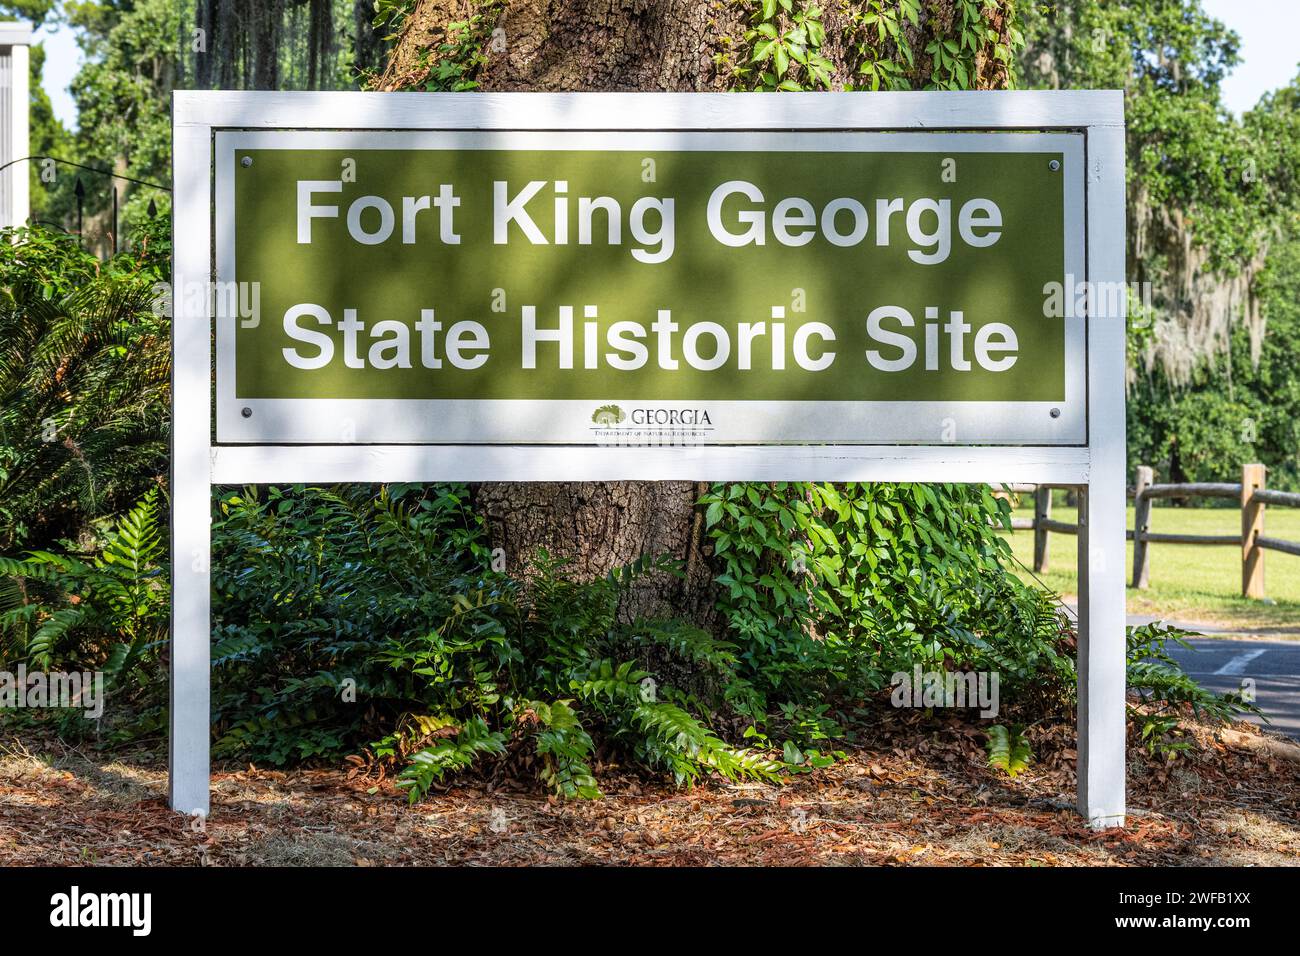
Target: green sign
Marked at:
413, 280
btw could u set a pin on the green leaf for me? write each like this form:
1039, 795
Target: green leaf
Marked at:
1008, 749
781, 61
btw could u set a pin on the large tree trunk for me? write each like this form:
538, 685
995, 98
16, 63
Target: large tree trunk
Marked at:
597, 526
659, 45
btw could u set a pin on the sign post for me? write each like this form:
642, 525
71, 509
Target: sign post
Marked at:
548, 287
15, 144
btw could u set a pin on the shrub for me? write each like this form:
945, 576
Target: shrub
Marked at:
84, 391
830, 589
106, 611
1168, 694
345, 616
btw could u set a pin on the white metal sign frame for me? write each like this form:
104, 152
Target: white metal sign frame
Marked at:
1096, 468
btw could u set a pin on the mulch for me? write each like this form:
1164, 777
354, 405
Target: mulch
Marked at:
918, 793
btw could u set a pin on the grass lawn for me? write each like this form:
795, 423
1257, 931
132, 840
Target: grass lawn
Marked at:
1199, 583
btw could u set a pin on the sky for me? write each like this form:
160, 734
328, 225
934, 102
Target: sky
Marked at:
1270, 47
1269, 31
62, 60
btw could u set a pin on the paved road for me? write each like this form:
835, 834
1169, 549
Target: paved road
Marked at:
1221, 665
1222, 661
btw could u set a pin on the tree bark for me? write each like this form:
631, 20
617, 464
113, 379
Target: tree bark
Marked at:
597, 526
579, 45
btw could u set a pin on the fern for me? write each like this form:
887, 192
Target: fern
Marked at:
682, 744
609, 682
565, 749
84, 380
117, 600
1166, 691
689, 643
388, 592
43, 644
453, 755
1009, 749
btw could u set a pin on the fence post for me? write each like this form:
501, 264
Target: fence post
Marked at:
1042, 511
1253, 479
1141, 525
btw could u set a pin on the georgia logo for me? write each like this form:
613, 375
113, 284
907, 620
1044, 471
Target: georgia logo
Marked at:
608, 415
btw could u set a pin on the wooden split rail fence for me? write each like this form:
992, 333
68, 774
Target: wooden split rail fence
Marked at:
1252, 494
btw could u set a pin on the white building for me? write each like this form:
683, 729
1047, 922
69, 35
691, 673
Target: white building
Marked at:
15, 38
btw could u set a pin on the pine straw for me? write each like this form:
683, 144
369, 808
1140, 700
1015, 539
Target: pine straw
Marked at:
920, 795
